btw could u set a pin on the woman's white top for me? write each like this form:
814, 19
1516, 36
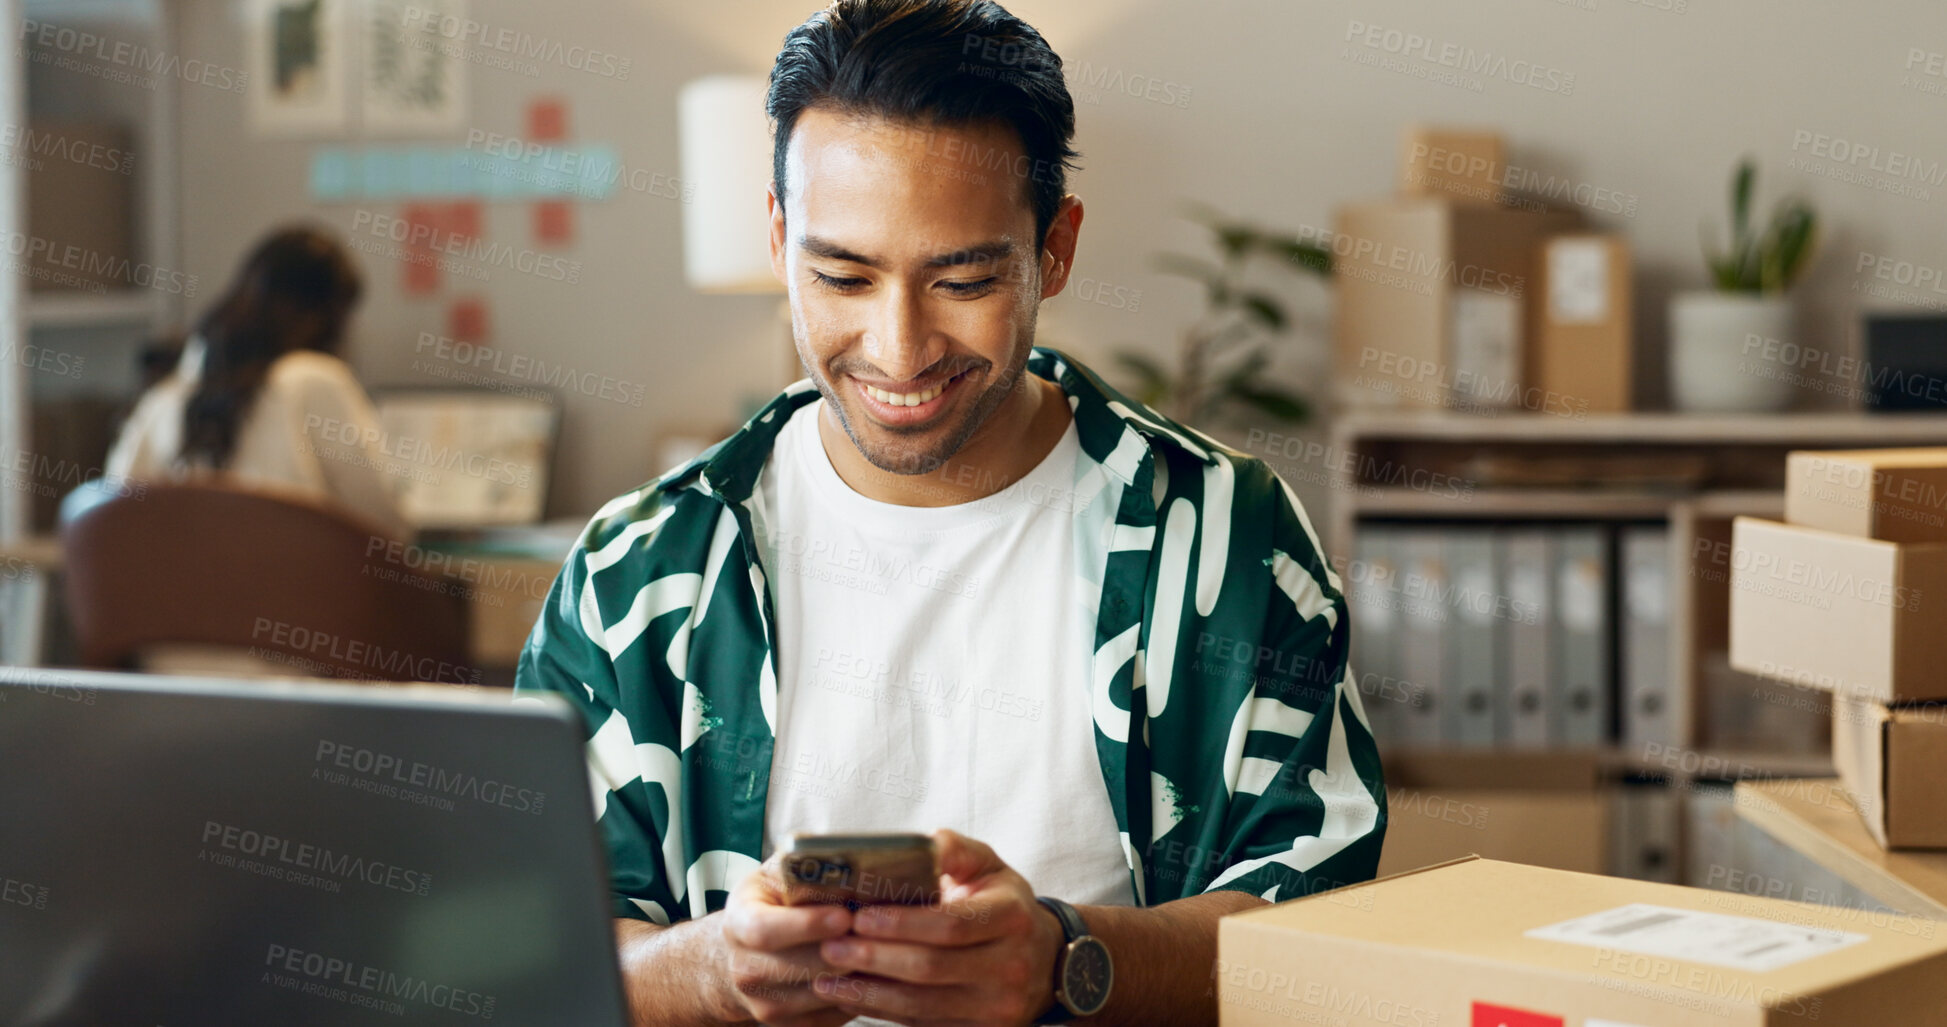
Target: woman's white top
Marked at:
311, 430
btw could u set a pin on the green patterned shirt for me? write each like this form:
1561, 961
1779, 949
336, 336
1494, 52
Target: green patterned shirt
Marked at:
1234, 752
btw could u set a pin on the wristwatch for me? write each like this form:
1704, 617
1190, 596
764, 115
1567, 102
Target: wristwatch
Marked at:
1083, 971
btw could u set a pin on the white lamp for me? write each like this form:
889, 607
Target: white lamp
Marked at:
726, 153
726, 143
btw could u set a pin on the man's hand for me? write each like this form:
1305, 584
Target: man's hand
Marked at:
984, 955
771, 955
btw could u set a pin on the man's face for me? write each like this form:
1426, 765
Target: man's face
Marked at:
910, 257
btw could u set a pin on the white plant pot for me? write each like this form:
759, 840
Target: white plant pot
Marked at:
1731, 352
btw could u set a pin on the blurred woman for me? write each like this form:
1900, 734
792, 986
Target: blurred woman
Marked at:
260, 398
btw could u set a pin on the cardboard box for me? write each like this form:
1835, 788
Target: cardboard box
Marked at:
80, 207
1466, 165
1893, 761
1855, 616
1584, 347
1896, 495
1543, 808
1481, 943
1437, 301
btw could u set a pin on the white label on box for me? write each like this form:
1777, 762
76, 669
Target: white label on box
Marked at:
1485, 343
1578, 281
1737, 942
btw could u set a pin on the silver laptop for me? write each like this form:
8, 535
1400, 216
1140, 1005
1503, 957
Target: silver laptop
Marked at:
184, 852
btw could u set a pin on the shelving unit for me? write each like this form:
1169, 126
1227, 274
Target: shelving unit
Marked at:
1694, 472
86, 310
1691, 472
99, 331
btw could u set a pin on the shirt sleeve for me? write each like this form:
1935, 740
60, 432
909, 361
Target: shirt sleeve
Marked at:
565, 654
1307, 798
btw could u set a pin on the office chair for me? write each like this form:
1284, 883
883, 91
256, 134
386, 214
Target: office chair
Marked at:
304, 589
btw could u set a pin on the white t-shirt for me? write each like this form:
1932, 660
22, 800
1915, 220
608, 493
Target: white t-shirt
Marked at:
934, 666
310, 430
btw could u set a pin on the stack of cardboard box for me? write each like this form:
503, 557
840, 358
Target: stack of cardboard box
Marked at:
1849, 597
1458, 293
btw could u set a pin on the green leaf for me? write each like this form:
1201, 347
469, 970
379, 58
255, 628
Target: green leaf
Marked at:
1194, 268
1197, 270
1303, 255
1742, 183
1153, 383
1278, 403
1235, 240
1789, 243
1264, 308
1248, 369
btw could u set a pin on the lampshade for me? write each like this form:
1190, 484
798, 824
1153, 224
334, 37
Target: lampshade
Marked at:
726, 154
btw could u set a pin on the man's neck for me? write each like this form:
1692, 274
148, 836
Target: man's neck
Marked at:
1013, 442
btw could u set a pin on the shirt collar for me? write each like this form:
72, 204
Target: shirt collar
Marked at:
1111, 427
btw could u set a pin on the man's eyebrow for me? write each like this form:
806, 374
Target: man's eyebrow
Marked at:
981, 253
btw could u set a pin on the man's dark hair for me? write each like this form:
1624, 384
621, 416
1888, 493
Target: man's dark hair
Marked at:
950, 62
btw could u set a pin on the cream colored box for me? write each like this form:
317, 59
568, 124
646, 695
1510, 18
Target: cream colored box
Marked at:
1855, 616
1481, 943
1897, 495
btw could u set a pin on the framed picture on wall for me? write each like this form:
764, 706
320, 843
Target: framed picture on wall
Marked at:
415, 73
297, 57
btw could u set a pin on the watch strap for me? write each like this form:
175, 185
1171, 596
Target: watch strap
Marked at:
1072, 928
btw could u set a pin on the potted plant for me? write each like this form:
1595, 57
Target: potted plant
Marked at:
1719, 336
1221, 356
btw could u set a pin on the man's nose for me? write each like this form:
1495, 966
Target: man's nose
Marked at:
899, 341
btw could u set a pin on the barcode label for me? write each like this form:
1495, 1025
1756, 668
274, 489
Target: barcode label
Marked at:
1637, 925
1737, 942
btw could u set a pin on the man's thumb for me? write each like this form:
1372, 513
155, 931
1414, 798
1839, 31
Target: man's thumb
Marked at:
964, 859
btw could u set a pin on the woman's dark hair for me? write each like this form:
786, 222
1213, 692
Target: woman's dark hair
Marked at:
953, 62
295, 291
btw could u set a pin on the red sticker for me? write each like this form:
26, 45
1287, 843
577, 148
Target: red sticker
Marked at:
466, 320
463, 219
1501, 1016
547, 121
554, 221
422, 271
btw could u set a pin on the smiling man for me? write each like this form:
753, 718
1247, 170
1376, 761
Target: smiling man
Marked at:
952, 582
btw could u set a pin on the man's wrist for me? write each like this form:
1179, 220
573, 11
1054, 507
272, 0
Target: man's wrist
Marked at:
1042, 994
694, 951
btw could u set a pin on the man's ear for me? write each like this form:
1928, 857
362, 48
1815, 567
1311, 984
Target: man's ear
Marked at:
1058, 251
776, 209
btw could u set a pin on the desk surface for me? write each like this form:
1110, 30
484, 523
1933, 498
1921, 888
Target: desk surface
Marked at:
1816, 818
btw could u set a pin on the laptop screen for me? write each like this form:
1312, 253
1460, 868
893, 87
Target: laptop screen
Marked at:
466, 458
179, 851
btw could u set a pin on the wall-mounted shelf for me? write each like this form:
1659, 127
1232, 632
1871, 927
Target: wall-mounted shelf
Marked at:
86, 309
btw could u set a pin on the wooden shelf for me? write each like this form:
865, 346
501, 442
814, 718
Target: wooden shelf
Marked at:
1510, 503
1818, 820
1825, 430
85, 309
1699, 765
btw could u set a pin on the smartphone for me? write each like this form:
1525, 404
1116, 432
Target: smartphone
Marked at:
856, 870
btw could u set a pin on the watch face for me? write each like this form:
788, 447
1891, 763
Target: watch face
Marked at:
1086, 976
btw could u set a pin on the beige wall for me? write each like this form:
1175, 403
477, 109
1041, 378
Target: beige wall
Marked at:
1281, 123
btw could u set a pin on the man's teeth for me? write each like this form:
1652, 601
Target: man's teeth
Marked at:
905, 399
